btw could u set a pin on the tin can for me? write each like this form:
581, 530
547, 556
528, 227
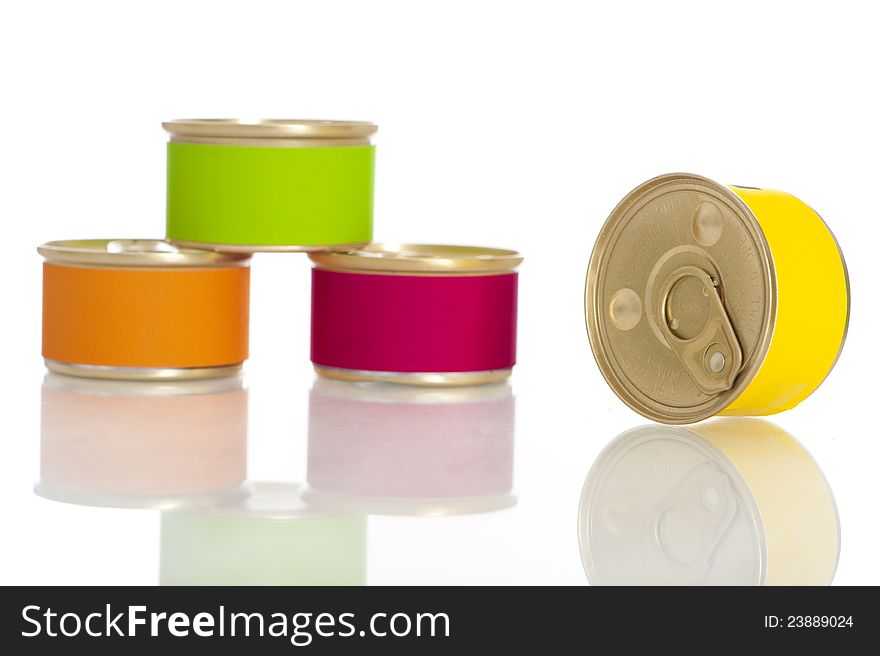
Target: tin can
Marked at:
271, 536
415, 314
136, 444
383, 449
728, 502
272, 185
703, 300
143, 309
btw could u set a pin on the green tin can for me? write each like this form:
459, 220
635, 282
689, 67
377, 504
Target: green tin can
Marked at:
270, 185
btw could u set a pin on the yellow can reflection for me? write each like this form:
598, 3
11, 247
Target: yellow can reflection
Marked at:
729, 502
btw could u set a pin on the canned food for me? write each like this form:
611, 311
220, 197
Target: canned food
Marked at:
703, 299
272, 185
143, 309
136, 444
729, 502
415, 314
271, 536
382, 449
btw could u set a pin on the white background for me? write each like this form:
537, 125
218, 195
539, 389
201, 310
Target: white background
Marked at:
510, 124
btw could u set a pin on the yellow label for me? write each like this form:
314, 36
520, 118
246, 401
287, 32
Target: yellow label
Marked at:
812, 304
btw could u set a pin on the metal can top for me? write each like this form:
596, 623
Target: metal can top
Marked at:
663, 506
680, 298
275, 132
420, 259
137, 253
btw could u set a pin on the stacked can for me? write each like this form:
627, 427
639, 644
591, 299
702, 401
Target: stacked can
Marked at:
177, 308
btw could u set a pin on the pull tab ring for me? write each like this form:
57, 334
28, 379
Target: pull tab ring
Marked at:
695, 325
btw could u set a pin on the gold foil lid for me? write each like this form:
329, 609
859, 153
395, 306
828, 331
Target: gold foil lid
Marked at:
138, 253
680, 298
420, 259
271, 132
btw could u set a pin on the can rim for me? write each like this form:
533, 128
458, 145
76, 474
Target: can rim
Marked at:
423, 259
224, 130
143, 388
423, 380
143, 377
381, 392
612, 372
135, 253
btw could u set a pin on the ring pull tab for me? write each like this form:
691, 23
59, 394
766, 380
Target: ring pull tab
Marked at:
696, 327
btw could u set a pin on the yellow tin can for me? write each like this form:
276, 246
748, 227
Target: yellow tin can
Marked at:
728, 502
703, 299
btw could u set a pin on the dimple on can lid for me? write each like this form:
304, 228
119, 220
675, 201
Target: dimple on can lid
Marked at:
143, 309
728, 502
703, 299
270, 185
415, 314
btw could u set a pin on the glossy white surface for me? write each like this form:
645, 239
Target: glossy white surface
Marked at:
502, 124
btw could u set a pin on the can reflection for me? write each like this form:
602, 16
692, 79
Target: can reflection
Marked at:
142, 444
378, 448
729, 502
269, 537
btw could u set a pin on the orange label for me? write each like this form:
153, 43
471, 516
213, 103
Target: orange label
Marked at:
166, 318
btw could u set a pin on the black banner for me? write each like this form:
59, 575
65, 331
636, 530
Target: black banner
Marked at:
430, 620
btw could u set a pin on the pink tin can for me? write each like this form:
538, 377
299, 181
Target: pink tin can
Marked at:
415, 314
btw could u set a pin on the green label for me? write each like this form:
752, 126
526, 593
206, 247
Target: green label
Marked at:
245, 195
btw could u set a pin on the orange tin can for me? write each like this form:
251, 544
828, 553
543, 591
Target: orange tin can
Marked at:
142, 309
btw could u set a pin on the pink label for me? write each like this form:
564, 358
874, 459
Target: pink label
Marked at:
413, 323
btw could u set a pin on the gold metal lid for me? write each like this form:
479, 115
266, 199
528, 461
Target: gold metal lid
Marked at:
680, 298
420, 259
275, 132
124, 253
